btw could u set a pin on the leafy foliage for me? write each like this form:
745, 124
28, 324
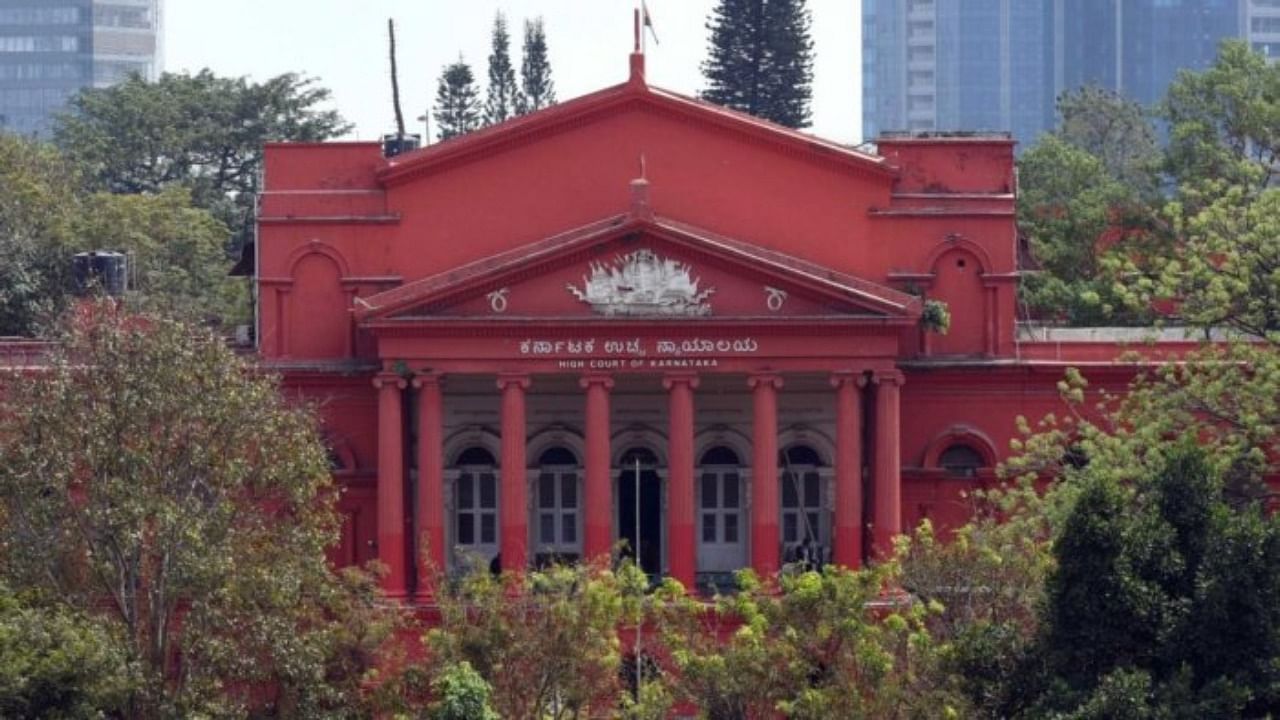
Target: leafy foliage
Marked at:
1225, 121
457, 109
504, 95
537, 89
464, 695
819, 645
38, 202
1116, 131
1076, 213
761, 59
545, 642
1164, 600
46, 216
150, 475
201, 132
57, 663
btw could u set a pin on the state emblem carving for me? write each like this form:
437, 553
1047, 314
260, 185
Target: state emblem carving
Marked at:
642, 284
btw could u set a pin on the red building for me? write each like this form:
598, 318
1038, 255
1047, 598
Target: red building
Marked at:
501, 330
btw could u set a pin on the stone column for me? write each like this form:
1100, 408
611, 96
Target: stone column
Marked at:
391, 517
887, 523
764, 473
847, 538
682, 548
514, 505
597, 485
431, 517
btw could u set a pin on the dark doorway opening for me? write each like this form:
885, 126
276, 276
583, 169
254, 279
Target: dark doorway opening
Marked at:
650, 506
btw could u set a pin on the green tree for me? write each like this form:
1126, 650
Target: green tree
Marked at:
56, 662
46, 216
457, 109
504, 95
546, 642
38, 202
1164, 599
1076, 214
176, 251
202, 132
152, 477
760, 59
1225, 121
1117, 131
537, 90
463, 695
816, 645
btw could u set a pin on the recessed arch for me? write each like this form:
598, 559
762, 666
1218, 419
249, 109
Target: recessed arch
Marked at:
720, 435
638, 436
960, 435
819, 441
476, 436
964, 244
342, 458
318, 247
554, 436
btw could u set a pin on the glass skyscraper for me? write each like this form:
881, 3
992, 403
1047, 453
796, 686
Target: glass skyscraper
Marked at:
999, 65
50, 49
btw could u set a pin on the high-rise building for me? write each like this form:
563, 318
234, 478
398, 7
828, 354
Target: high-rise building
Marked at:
50, 49
954, 65
1262, 19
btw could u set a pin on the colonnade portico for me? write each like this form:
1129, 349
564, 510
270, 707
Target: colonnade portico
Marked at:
424, 536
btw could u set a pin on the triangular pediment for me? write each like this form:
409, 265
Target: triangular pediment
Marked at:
627, 98
629, 268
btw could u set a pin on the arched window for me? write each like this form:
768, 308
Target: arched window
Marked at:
475, 501
721, 545
961, 460
803, 514
557, 528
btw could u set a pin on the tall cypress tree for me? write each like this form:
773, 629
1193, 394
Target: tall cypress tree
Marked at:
457, 109
761, 59
538, 91
504, 95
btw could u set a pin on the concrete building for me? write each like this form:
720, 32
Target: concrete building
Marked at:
51, 49
999, 65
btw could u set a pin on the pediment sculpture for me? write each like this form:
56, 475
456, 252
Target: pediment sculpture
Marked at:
640, 283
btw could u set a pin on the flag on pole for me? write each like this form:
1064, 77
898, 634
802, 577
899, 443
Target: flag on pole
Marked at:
648, 21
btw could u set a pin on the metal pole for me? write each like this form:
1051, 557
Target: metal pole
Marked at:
639, 564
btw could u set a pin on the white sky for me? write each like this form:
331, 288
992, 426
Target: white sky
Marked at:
343, 44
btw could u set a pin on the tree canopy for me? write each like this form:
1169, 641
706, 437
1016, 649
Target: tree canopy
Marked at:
760, 59
150, 477
457, 110
537, 89
503, 98
202, 132
47, 215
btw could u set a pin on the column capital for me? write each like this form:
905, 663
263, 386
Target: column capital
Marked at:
671, 380
601, 379
841, 377
764, 379
889, 377
428, 378
389, 379
520, 380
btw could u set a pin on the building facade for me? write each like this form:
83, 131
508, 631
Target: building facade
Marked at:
999, 65
51, 49
638, 318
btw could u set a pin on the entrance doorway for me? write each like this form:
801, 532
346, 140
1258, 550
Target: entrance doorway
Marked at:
650, 507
